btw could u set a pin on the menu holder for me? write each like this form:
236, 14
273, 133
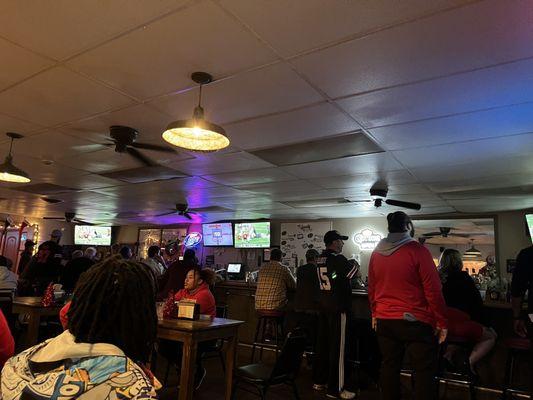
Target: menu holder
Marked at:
188, 310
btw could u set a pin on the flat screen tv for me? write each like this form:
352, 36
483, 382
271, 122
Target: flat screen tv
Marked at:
529, 221
218, 234
92, 235
252, 235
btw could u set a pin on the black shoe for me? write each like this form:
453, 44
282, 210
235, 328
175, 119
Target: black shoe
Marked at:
199, 378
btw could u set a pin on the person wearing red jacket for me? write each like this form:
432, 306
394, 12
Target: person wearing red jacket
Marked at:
196, 288
7, 344
408, 308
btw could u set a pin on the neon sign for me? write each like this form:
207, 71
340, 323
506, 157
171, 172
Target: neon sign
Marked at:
367, 239
193, 239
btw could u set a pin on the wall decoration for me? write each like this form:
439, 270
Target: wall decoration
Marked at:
367, 239
297, 238
193, 239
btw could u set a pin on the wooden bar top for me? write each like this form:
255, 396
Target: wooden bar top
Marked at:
198, 325
35, 302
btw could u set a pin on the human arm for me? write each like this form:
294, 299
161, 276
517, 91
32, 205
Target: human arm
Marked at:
290, 282
519, 285
7, 343
371, 291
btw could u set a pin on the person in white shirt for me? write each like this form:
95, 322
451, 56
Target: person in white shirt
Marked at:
8, 279
155, 261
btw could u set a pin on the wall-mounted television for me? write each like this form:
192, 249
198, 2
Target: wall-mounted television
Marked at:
252, 235
529, 221
218, 234
92, 235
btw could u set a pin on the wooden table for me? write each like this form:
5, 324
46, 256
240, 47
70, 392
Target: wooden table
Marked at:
190, 333
33, 308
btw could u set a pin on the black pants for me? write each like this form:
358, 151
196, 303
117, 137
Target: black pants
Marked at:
397, 337
529, 325
329, 363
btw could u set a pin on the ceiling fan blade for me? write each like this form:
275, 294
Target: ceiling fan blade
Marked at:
404, 204
187, 215
140, 157
168, 213
54, 218
154, 147
82, 222
431, 234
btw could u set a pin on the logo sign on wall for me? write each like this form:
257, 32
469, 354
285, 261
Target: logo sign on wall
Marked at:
367, 239
193, 239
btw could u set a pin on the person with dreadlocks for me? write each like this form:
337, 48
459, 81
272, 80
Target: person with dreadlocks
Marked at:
112, 325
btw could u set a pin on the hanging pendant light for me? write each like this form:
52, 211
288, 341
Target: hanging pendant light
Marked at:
8, 172
197, 133
472, 252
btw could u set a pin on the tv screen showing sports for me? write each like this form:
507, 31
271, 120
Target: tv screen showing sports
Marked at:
92, 235
252, 235
220, 234
529, 220
234, 268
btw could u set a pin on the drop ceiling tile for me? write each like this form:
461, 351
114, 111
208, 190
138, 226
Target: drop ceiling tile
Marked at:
488, 183
214, 163
18, 63
160, 57
101, 161
305, 124
249, 177
478, 125
279, 187
264, 91
497, 167
58, 95
484, 150
491, 204
369, 163
364, 180
482, 89
11, 124
480, 34
62, 28
90, 181
308, 24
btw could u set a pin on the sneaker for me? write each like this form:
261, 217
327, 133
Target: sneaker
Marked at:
319, 387
199, 378
342, 395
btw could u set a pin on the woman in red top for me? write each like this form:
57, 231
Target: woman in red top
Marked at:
196, 288
7, 344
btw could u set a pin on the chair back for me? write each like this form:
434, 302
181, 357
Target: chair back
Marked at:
289, 360
222, 311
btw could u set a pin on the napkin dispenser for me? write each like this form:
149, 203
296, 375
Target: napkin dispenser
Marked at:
188, 310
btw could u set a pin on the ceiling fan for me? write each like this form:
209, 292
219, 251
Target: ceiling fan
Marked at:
379, 195
445, 231
70, 217
183, 209
124, 139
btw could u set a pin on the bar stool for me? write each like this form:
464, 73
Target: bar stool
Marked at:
456, 377
266, 317
515, 347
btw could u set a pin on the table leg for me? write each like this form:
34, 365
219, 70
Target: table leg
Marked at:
188, 366
230, 363
32, 336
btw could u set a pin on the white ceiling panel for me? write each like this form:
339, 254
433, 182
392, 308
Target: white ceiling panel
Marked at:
298, 25
90, 181
58, 95
215, 163
251, 176
478, 125
492, 182
480, 34
267, 90
10, 124
482, 89
477, 151
491, 204
291, 127
279, 187
62, 28
364, 180
368, 163
18, 63
497, 167
160, 57
101, 161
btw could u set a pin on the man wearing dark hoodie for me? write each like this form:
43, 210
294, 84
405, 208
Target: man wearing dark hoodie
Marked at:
408, 308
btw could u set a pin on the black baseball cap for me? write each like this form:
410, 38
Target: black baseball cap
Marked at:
331, 236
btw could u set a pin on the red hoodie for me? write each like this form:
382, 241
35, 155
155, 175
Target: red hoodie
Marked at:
7, 344
203, 296
406, 282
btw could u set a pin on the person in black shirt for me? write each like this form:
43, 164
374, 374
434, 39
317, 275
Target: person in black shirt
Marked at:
522, 282
42, 270
334, 274
72, 271
25, 256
